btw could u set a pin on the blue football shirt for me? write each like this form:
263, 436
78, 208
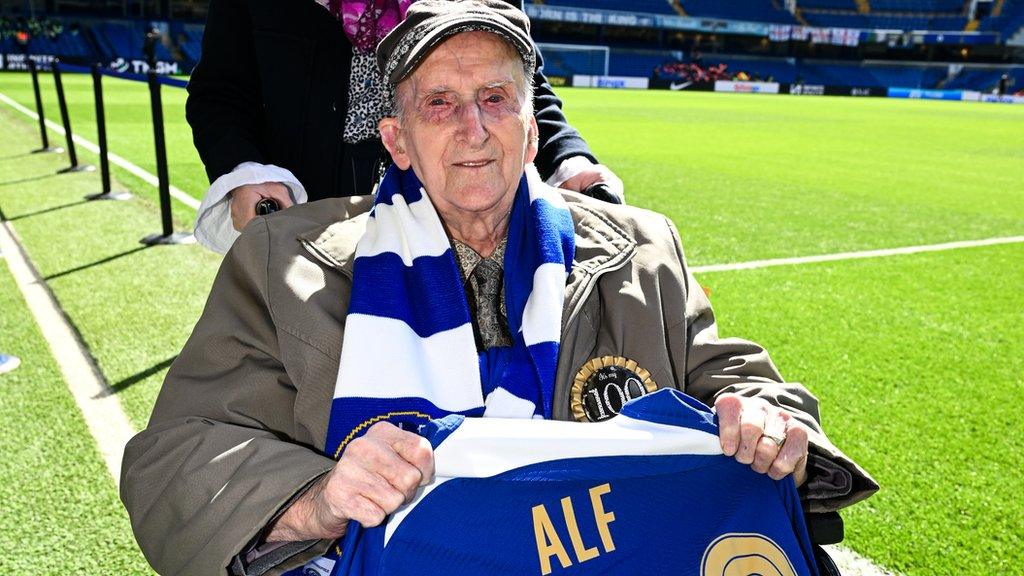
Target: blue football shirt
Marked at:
648, 491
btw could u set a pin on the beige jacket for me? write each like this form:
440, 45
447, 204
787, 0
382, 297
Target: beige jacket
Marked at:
240, 423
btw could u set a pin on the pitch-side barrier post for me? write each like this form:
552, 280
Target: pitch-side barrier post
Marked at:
62, 102
101, 132
168, 235
39, 111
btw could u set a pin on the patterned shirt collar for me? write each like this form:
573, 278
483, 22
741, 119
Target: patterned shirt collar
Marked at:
489, 318
469, 258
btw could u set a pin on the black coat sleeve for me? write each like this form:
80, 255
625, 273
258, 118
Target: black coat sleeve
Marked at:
558, 140
224, 106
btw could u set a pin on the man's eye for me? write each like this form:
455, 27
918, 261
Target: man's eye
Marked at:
495, 99
436, 102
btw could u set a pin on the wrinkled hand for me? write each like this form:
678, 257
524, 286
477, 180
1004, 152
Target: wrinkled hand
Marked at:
379, 472
746, 428
245, 198
596, 174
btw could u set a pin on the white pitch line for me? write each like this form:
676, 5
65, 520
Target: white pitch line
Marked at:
147, 177
856, 255
101, 409
852, 564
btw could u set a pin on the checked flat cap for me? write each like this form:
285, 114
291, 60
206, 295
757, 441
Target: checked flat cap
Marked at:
428, 23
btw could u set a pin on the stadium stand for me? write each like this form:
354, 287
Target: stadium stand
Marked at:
190, 39
1007, 19
825, 73
637, 62
756, 10
124, 38
777, 70
888, 14
639, 52
985, 80
567, 63
649, 6
918, 5
44, 36
848, 5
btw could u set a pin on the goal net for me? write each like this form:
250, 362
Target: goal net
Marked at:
569, 59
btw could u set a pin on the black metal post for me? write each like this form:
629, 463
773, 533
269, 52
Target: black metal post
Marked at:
39, 110
168, 236
63, 103
101, 133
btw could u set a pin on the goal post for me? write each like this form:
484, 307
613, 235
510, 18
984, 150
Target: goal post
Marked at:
576, 58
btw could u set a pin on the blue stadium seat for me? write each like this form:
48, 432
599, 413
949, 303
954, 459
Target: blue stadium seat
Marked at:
954, 23
828, 4
878, 20
834, 20
651, 6
66, 45
986, 80
193, 41
121, 38
778, 70
568, 62
634, 63
757, 10
918, 5
1010, 20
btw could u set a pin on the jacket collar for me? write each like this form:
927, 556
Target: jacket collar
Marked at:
334, 243
601, 244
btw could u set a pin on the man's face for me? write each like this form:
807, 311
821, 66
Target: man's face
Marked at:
463, 129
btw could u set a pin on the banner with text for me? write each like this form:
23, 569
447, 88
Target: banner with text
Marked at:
747, 87
585, 81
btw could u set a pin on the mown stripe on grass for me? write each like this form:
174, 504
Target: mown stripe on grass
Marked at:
182, 196
918, 363
61, 514
134, 307
856, 255
102, 411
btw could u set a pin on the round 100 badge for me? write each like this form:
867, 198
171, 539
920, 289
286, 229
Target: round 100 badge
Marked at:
604, 384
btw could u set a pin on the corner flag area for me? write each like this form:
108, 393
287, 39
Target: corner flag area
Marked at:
874, 246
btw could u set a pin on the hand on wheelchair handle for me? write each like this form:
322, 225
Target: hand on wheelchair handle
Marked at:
601, 191
267, 206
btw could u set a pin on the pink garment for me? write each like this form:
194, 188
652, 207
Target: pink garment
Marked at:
366, 22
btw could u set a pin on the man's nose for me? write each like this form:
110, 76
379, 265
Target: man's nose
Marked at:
471, 124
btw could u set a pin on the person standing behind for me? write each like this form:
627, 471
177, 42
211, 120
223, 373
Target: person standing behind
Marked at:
285, 100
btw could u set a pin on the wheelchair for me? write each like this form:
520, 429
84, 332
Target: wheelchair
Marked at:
824, 528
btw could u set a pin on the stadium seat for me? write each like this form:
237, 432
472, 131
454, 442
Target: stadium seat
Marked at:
650, 6
757, 10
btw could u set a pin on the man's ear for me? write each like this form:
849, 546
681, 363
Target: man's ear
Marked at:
532, 140
394, 140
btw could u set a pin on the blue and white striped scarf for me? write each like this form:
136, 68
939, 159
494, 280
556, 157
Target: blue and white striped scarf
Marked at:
409, 354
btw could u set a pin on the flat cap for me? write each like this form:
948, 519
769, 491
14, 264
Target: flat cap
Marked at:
428, 23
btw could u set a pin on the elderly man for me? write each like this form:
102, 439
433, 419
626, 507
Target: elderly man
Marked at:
471, 287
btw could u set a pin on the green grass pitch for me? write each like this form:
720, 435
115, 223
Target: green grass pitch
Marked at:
918, 360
